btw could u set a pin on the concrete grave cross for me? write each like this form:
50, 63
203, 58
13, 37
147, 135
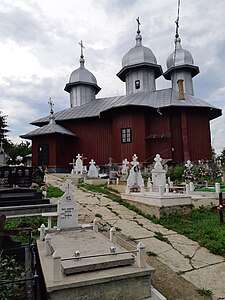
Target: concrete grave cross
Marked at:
158, 165
67, 209
135, 162
93, 171
125, 166
78, 164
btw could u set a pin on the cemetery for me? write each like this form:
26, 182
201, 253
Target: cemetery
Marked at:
74, 258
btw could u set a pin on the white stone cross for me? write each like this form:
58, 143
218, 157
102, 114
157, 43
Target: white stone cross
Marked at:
92, 162
125, 168
135, 162
79, 164
158, 165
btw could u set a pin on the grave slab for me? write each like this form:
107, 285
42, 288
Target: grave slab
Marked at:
123, 282
88, 243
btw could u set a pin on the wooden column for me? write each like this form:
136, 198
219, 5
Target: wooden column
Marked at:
184, 133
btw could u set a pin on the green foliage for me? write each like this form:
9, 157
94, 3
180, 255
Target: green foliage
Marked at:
204, 292
150, 253
54, 192
23, 224
10, 271
14, 150
98, 216
3, 127
176, 173
158, 235
202, 225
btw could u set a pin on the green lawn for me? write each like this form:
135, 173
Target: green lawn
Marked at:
202, 225
212, 190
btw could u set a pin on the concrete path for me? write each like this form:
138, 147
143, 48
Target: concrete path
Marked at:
182, 255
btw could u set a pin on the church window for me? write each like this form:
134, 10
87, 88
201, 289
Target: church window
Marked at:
137, 84
126, 135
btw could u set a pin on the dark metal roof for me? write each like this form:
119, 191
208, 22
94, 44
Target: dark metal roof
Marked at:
158, 99
47, 129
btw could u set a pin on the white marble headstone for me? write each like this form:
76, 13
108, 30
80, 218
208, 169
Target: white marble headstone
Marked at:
67, 210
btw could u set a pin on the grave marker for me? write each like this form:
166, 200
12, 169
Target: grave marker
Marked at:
5, 177
67, 210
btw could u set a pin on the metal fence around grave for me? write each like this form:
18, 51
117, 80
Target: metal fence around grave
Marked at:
31, 287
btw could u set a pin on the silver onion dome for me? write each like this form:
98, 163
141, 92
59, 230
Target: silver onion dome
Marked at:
82, 75
179, 56
138, 54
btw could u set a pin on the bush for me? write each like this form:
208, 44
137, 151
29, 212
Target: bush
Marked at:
10, 271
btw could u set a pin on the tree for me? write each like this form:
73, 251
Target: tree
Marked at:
3, 128
14, 150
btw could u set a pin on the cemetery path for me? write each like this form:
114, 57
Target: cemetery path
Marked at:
181, 265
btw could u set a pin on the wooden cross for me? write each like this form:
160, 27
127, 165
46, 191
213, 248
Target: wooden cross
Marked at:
83, 158
51, 103
81, 48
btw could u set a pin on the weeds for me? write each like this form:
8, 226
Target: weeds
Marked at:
204, 292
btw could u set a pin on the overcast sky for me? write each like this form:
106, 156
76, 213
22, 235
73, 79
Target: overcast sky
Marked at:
39, 50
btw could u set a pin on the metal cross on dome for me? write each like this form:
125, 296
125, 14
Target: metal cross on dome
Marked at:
81, 48
51, 103
138, 21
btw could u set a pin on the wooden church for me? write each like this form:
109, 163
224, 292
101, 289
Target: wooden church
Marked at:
172, 122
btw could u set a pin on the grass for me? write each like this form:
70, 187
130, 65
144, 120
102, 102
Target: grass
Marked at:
202, 225
204, 292
54, 192
212, 190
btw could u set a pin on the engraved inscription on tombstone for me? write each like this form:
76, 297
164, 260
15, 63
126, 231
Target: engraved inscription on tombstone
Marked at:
5, 177
23, 176
67, 211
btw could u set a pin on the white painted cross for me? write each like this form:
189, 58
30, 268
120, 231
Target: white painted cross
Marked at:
93, 171
135, 162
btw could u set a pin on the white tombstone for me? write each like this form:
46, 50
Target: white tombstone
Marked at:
192, 186
217, 187
135, 179
125, 167
149, 185
78, 169
187, 189
67, 210
93, 171
158, 173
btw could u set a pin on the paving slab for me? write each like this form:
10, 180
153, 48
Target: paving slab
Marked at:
175, 261
184, 245
154, 245
106, 213
210, 278
204, 258
132, 229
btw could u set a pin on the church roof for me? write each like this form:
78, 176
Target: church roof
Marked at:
180, 59
51, 128
139, 56
158, 99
